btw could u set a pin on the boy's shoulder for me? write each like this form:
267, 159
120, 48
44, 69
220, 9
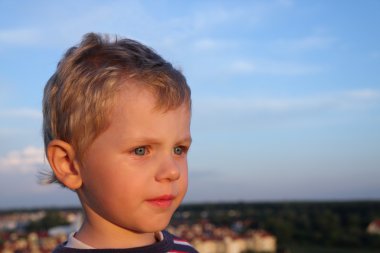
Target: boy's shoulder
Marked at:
170, 243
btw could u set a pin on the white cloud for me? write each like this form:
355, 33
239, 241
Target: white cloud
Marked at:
203, 21
216, 16
135, 19
20, 36
242, 66
207, 44
30, 159
272, 67
366, 94
250, 111
21, 113
338, 100
250, 13
71, 23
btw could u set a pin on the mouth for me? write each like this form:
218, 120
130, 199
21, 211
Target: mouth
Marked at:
163, 201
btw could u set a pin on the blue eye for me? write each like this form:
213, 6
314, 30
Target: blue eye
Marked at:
140, 151
178, 150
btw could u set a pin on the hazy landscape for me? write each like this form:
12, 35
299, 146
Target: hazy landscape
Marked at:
340, 226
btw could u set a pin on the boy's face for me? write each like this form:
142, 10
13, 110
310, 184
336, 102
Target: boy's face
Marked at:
135, 173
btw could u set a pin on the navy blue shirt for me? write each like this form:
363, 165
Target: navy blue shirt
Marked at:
170, 243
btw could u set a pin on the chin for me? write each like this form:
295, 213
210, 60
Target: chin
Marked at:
154, 225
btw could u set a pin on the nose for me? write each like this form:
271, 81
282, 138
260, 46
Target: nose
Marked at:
169, 170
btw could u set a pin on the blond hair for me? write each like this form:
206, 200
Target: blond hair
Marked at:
78, 97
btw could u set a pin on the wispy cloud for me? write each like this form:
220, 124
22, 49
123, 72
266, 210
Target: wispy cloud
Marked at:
272, 67
208, 44
339, 100
312, 42
251, 13
26, 160
20, 36
204, 21
212, 17
118, 16
364, 94
70, 24
21, 113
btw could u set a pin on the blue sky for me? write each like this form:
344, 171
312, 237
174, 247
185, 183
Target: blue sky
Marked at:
286, 93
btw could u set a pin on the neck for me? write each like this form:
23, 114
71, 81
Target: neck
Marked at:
102, 234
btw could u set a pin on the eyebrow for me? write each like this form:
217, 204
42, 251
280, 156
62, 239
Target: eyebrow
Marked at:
187, 139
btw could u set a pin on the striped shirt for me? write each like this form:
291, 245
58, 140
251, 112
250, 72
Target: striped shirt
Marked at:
169, 244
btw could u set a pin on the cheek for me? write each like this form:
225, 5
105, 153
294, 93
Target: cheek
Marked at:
184, 181
113, 194
101, 181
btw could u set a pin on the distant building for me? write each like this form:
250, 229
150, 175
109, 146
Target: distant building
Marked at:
374, 228
236, 245
258, 241
263, 241
209, 245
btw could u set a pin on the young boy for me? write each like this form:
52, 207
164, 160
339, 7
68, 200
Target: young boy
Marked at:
117, 130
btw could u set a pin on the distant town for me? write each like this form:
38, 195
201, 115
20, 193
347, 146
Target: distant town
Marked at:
222, 228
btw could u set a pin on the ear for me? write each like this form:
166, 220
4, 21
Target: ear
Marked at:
61, 156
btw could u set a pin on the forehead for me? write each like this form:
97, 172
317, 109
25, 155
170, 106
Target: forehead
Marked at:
134, 101
132, 92
136, 117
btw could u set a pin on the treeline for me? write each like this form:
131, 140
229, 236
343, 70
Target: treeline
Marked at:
51, 219
330, 224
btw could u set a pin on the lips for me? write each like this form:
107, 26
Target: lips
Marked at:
162, 201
